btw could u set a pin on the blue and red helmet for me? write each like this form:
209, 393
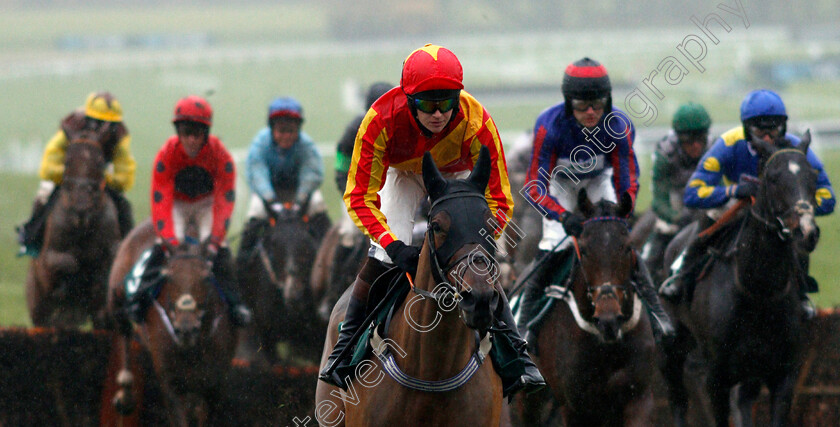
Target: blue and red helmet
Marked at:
285, 106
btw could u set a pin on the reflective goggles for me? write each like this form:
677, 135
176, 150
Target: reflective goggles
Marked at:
429, 107
760, 131
584, 104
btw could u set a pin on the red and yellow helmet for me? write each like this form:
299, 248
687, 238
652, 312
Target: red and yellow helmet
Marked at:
193, 109
431, 67
103, 106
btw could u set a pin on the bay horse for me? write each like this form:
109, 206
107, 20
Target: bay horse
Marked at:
66, 283
274, 282
186, 329
595, 349
434, 351
331, 276
745, 320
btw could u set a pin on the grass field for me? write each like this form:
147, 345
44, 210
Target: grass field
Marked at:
257, 52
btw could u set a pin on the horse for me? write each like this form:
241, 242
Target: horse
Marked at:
744, 320
439, 378
186, 329
274, 281
330, 275
66, 283
596, 351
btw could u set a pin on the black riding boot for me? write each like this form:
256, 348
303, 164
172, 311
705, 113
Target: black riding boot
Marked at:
353, 319
124, 216
531, 380
254, 229
223, 271
659, 319
544, 265
684, 280
31, 233
137, 302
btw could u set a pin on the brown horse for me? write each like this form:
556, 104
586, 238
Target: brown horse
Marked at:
66, 283
330, 275
186, 329
744, 320
595, 349
433, 356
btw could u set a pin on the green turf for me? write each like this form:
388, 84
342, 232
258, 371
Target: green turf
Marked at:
258, 51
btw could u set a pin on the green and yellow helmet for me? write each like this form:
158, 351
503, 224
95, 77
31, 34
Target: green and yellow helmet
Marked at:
103, 106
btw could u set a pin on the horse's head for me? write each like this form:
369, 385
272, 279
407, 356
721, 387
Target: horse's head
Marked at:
82, 189
607, 261
188, 295
460, 240
291, 249
786, 196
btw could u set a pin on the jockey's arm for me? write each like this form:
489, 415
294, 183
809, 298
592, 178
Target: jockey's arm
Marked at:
311, 173
538, 180
256, 167
498, 192
705, 189
124, 166
625, 163
825, 193
365, 178
224, 195
52, 162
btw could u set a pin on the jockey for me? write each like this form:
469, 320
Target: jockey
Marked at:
283, 166
347, 230
429, 111
575, 142
725, 172
101, 115
194, 175
674, 160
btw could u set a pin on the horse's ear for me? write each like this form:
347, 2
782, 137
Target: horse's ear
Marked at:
805, 142
480, 174
625, 205
432, 179
585, 205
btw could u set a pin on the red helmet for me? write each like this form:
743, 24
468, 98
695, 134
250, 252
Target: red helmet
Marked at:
431, 67
193, 109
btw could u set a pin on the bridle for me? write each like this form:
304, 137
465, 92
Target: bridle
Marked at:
186, 305
443, 287
777, 223
608, 287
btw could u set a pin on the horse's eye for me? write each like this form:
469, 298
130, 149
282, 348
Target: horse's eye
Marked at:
436, 227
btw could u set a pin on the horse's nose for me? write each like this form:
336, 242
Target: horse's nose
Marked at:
478, 307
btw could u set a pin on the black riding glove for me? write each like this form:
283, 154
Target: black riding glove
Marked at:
746, 188
405, 257
572, 223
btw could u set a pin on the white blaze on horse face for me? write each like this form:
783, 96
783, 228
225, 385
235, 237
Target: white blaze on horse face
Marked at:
793, 167
806, 217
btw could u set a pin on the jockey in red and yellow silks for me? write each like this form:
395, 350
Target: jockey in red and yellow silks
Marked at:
390, 138
428, 112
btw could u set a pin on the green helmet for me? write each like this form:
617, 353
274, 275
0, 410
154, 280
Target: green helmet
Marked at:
691, 117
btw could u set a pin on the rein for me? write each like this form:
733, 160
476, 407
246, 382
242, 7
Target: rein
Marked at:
442, 288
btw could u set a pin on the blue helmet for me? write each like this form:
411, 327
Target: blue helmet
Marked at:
762, 103
285, 107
